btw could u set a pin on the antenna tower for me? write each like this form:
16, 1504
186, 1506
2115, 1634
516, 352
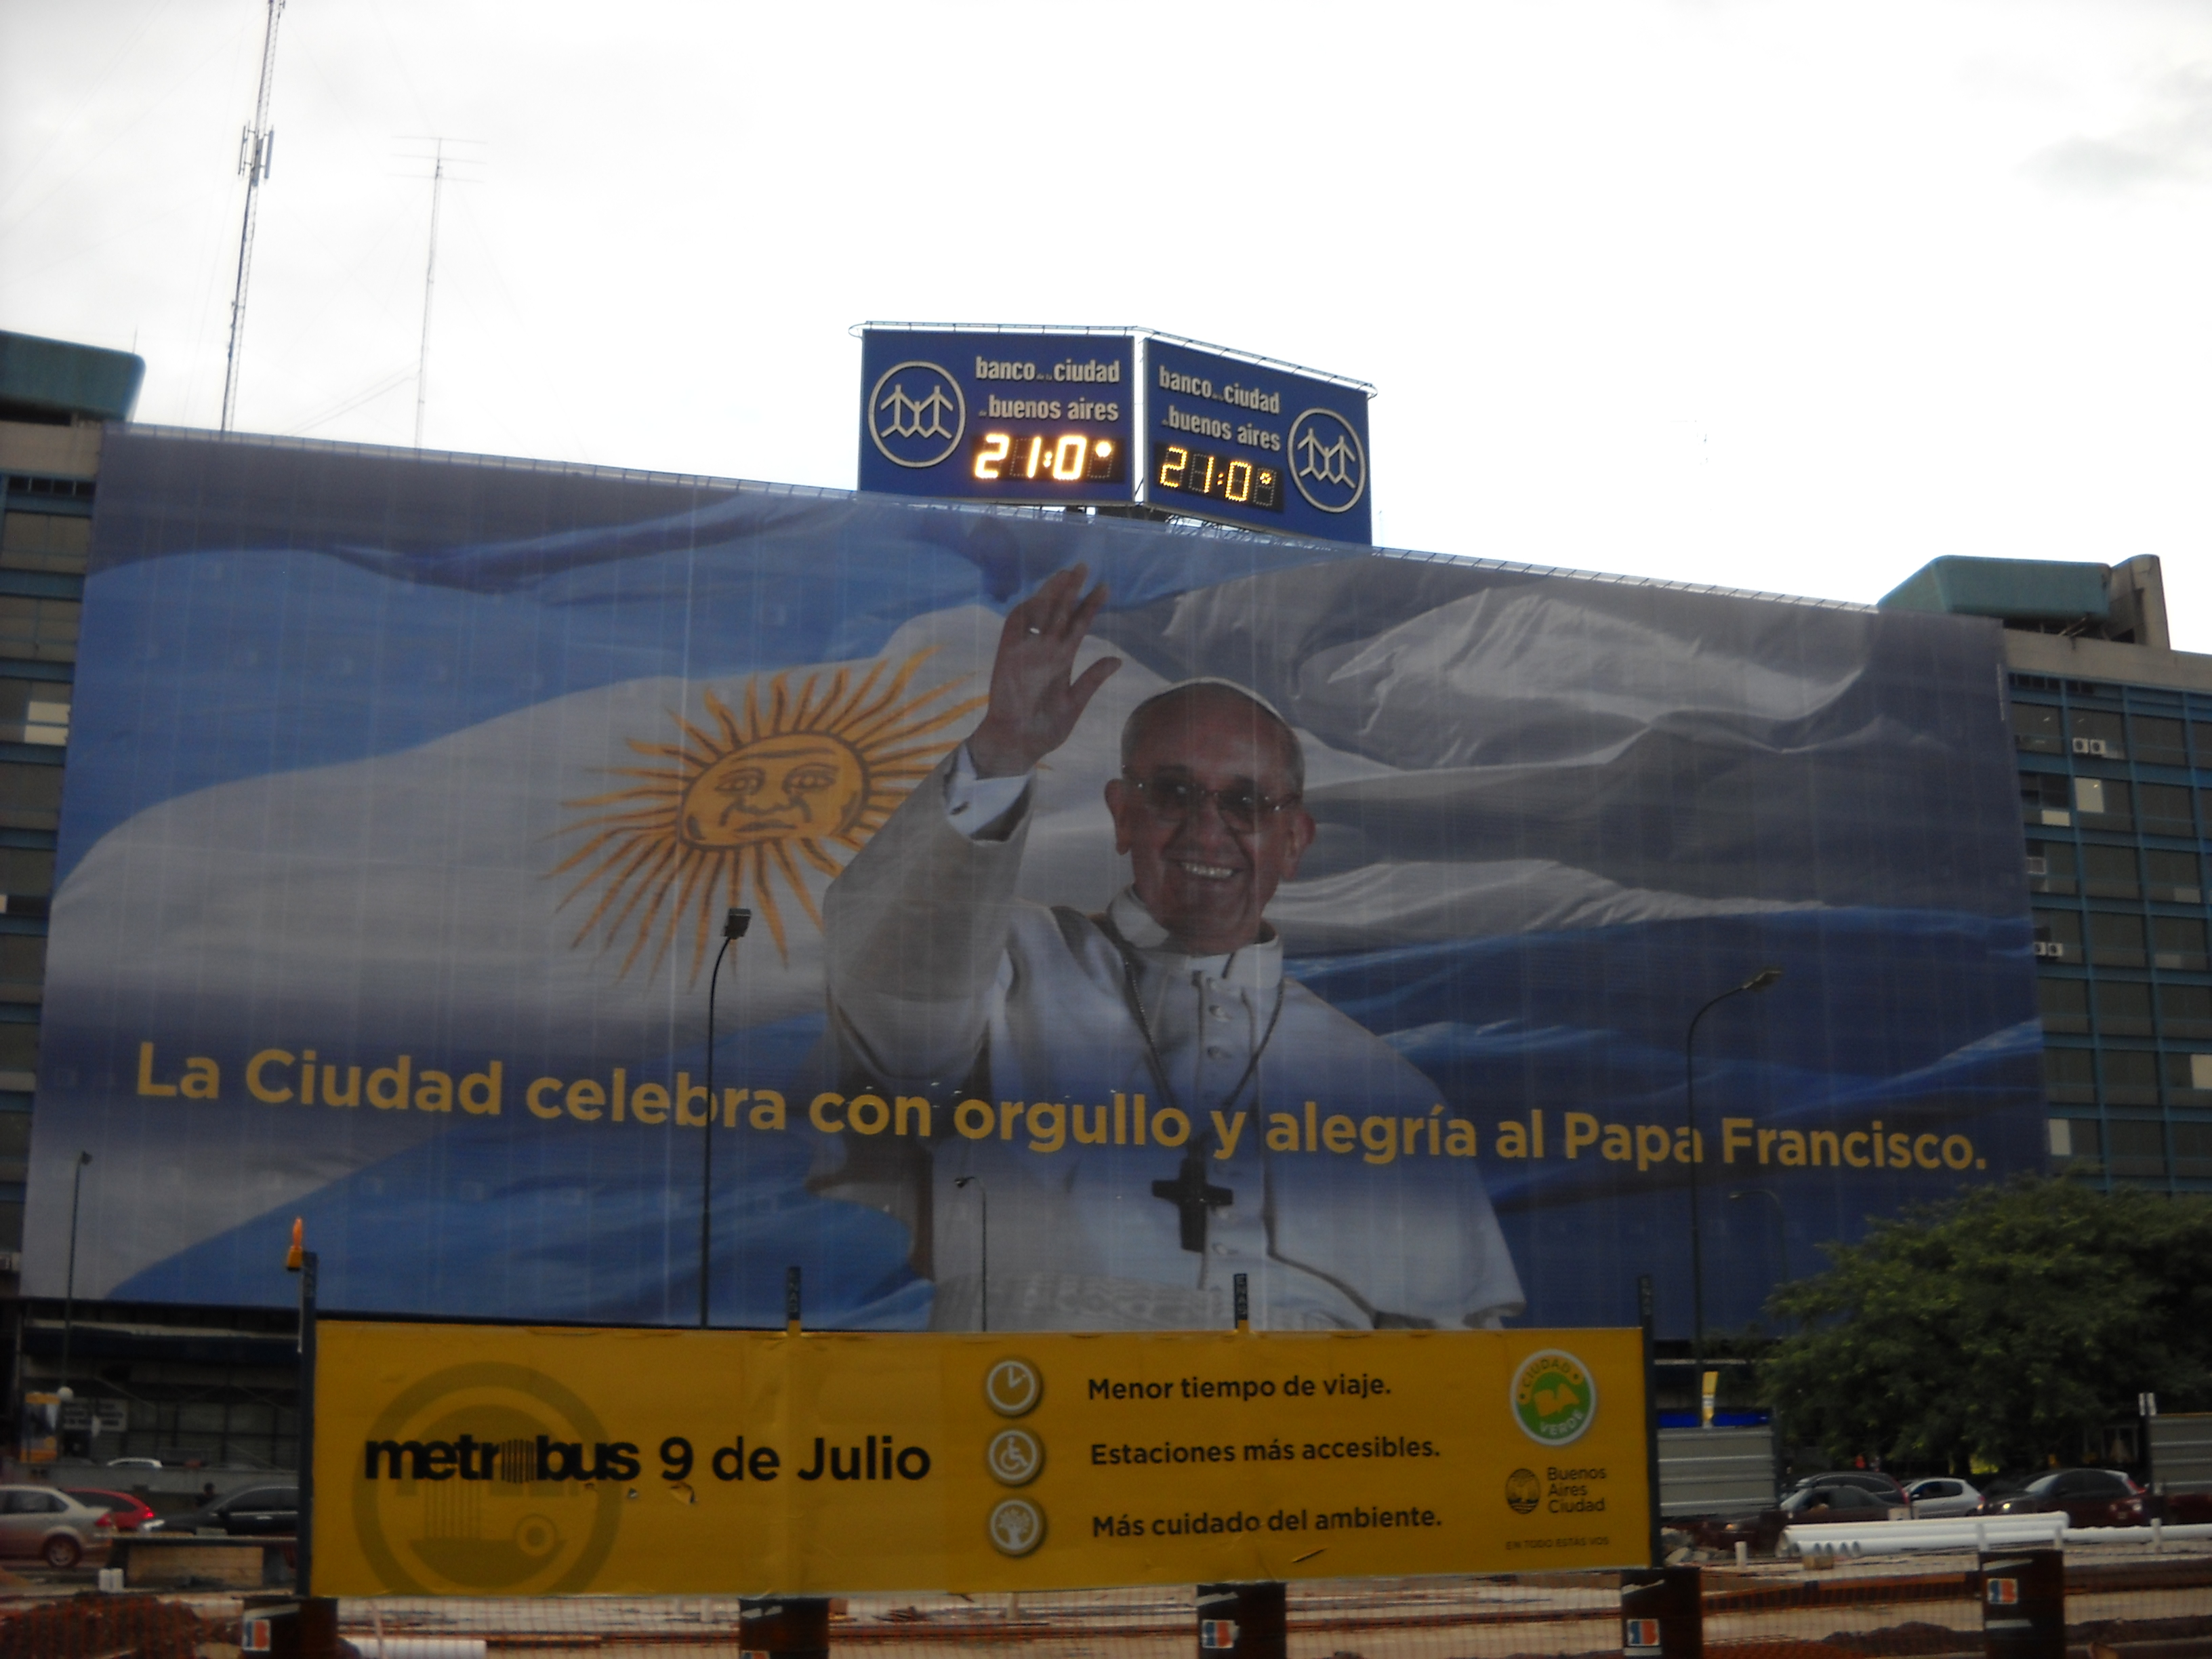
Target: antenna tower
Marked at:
430, 283
255, 145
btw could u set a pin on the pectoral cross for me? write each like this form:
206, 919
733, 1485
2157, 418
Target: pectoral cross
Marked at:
1193, 1196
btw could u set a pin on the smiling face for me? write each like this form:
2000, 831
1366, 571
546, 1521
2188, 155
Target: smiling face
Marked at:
803, 785
1205, 879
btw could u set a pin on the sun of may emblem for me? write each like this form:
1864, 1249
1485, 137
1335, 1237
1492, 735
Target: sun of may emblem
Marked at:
727, 811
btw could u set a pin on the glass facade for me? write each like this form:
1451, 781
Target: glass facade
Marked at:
2115, 799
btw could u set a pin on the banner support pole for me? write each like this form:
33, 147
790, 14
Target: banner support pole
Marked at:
305, 1548
1644, 1316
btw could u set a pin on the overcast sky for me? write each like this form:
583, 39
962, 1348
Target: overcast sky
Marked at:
1790, 297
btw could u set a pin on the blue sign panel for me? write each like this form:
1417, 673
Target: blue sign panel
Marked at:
978, 416
1254, 445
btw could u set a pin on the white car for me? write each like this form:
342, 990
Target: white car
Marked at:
1940, 1495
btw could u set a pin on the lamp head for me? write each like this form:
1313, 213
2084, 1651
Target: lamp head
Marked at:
735, 923
83, 1159
1761, 980
962, 1181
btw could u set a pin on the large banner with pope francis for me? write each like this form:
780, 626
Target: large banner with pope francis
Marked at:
1130, 909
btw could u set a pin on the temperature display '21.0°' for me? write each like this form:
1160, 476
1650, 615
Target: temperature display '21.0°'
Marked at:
1229, 478
1039, 458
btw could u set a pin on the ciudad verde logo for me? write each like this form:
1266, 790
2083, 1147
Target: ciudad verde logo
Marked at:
1554, 1397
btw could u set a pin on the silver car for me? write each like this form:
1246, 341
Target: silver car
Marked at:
42, 1524
1940, 1495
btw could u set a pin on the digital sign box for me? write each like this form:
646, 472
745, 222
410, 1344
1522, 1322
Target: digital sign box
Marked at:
975, 416
981, 414
1254, 445
406, 795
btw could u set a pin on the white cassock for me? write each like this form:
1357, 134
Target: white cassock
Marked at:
943, 982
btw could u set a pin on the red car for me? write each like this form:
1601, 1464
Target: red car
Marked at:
2090, 1497
127, 1513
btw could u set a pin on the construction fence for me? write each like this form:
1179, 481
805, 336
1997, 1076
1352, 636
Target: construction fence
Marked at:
2106, 1602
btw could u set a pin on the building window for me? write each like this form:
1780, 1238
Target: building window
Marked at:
2157, 741
26, 871
2035, 729
2075, 1140
2065, 1004
2109, 872
2173, 875
2046, 799
34, 711
2189, 1079
2124, 1007
30, 796
2192, 1151
2102, 804
2178, 942
2070, 1074
2058, 934
45, 541
22, 967
18, 1058
2185, 1011
2130, 1076
2116, 941
2095, 733
2050, 866
2136, 1149
39, 631
2162, 809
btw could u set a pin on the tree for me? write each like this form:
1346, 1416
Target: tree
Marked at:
1998, 1326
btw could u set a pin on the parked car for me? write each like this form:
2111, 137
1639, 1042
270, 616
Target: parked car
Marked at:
1940, 1495
2090, 1497
2181, 1509
127, 1513
1821, 1504
256, 1512
1884, 1486
42, 1524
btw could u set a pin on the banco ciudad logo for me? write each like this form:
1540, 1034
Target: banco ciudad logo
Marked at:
1554, 1397
1329, 464
916, 414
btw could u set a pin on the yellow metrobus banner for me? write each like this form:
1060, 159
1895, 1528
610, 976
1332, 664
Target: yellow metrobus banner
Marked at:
473, 1460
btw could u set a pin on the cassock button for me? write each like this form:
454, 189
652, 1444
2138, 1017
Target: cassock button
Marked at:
1219, 1011
1216, 1053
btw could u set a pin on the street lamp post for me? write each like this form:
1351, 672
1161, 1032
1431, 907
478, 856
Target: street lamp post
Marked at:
1781, 1220
733, 929
69, 1284
983, 1196
1758, 981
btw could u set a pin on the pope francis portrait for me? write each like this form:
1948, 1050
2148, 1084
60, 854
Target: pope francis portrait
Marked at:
1149, 1106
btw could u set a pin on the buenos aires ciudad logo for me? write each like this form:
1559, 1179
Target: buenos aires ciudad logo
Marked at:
1554, 1397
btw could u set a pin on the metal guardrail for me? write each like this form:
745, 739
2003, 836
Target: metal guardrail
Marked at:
2181, 1451
1965, 1532
1716, 1471
1974, 1533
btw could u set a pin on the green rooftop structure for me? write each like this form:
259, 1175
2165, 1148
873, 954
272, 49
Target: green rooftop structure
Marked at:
53, 382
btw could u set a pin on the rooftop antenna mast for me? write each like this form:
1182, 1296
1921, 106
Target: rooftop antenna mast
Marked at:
429, 285
254, 147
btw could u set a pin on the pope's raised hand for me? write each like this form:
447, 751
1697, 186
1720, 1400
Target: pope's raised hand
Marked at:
1034, 703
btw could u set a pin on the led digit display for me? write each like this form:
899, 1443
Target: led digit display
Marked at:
1047, 458
1229, 478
